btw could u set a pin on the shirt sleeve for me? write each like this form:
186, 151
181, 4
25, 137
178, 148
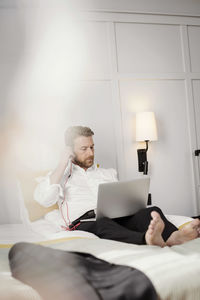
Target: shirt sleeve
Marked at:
113, 173
47, 194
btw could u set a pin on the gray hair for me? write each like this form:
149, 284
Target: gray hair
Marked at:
75, 131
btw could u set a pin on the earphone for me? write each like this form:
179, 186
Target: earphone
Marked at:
67, 227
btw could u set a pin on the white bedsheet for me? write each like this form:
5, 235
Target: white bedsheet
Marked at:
174, 271
43, 229
37, 231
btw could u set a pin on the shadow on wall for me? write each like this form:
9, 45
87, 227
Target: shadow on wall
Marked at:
13, 40
12, 45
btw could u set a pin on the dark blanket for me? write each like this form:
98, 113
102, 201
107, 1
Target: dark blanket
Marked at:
60, 275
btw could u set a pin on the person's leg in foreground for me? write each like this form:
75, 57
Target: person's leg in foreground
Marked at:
61, 275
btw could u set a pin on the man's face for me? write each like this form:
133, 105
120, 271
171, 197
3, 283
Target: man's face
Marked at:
84, 151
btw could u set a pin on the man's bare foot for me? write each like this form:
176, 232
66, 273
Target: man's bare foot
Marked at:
153, 235
187, 233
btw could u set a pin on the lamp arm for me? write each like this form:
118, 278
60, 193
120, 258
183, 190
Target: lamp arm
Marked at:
147, 145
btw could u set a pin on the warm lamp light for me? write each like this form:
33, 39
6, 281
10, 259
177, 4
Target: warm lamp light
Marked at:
145, 131
146, 126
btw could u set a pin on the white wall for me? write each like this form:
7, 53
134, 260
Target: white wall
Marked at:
99, 70
43, 56
153, 76
154, 62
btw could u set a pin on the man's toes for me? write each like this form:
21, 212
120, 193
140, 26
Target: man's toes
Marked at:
151, 228
154, 214
152, 224
196, 223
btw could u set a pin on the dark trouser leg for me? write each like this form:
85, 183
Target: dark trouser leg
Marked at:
130, 229
140, 221
52, 273
60, 275
109, 229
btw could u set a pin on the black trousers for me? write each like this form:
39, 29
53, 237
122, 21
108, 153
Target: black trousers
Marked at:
129, 229
63, 275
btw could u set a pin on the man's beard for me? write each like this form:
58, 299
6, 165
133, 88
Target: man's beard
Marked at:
84, 164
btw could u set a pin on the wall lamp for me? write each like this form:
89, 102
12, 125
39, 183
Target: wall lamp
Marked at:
145, 131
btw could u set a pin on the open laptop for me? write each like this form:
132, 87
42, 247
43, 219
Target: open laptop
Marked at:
121, 198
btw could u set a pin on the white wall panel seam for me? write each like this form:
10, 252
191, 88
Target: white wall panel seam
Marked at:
116, 101
190, 113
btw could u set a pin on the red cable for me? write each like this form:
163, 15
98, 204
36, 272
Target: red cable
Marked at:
64, 201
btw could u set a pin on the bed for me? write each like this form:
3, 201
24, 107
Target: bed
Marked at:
174, 272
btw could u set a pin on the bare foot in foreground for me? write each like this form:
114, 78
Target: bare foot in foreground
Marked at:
153, 235
187, 233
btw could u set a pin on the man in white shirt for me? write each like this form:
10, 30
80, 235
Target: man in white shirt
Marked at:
74, 186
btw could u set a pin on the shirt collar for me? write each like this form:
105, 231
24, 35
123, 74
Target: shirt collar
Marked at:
77, 168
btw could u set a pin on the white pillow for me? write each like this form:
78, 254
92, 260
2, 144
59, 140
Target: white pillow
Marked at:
178, 220
12, 209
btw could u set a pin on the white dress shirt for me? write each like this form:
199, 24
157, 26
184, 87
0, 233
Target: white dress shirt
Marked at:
79, 192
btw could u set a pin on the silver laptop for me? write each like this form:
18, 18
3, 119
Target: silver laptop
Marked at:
121, 199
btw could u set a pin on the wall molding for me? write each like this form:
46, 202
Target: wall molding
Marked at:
97, 16
141, 12
16, 4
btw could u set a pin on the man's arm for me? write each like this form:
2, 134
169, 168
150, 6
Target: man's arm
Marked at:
57, 174
49, 189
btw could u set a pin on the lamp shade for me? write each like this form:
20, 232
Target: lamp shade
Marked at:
146, 127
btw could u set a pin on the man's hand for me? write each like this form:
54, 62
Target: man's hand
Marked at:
66, 155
